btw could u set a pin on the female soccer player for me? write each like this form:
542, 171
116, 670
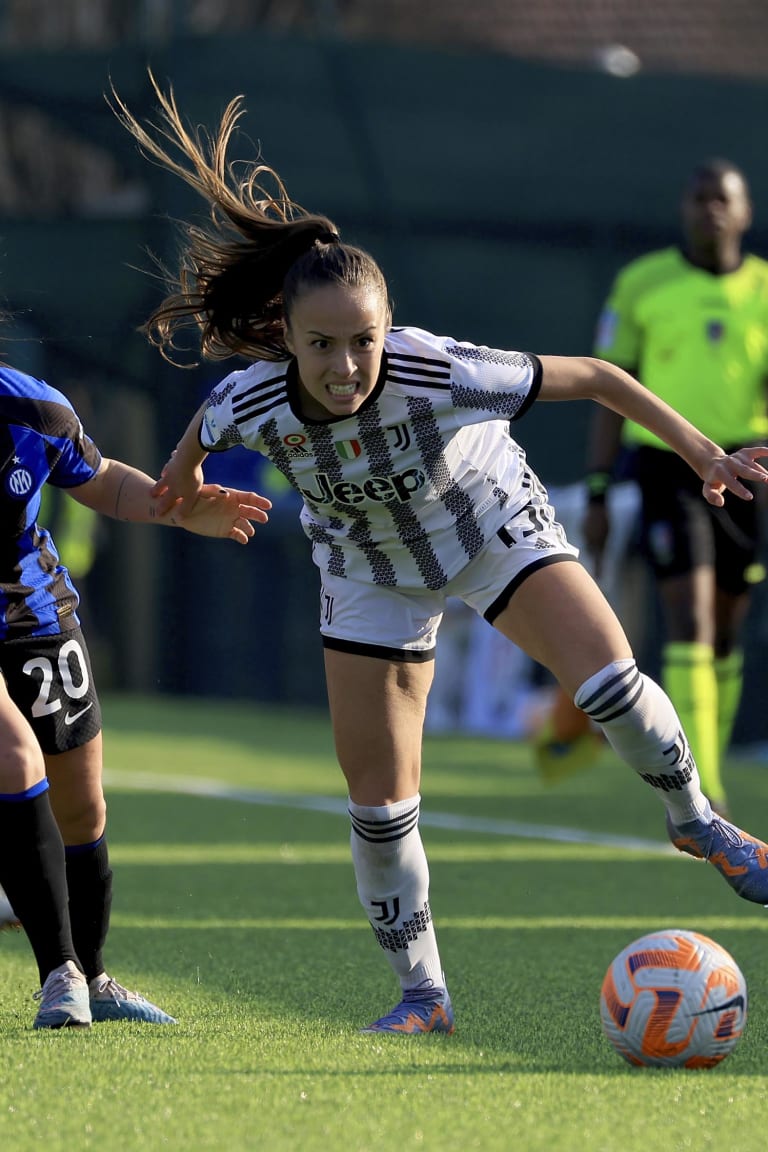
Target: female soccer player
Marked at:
413, 490
54, 864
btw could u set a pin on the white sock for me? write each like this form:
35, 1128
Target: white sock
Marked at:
642, 726
393, 885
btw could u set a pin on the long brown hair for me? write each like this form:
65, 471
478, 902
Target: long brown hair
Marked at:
239, 275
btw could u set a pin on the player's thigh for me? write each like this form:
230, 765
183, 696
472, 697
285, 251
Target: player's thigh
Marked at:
21, 761
559, 616
77, 794
377, 710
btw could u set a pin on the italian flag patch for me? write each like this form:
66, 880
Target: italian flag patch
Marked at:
348, 449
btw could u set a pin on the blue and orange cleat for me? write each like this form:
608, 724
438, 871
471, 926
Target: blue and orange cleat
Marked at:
420, 1010
741, 859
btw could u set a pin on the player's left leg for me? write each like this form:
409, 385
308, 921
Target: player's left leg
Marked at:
560, 617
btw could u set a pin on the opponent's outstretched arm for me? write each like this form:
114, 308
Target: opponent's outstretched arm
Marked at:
126, 493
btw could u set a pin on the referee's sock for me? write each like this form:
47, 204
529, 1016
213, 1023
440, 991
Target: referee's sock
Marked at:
729, 672
688, 675
32, 872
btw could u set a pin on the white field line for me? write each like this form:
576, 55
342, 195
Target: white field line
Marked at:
334, 806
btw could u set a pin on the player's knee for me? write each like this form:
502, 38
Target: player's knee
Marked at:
21, 762
636, 716
81, 819
612, 692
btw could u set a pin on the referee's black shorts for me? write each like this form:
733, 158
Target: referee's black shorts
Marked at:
680, 531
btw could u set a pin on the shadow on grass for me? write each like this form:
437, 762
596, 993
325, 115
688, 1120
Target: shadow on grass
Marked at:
282, 939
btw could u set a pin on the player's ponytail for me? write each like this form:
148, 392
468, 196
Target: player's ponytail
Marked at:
229, 285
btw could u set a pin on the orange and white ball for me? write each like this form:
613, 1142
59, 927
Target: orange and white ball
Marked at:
674, 998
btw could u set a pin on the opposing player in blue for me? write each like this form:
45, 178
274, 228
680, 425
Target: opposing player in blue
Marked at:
413, 490
54, 862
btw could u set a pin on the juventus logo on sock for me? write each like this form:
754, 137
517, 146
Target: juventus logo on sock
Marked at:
386, 916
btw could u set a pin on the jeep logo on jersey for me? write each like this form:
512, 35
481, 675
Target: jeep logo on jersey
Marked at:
19, 483
401, 486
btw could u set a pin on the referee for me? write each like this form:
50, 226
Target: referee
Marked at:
691, 322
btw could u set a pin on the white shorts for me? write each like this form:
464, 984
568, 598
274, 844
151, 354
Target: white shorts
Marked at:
401, 624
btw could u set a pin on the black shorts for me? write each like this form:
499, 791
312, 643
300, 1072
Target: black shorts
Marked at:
680, 531
49, 679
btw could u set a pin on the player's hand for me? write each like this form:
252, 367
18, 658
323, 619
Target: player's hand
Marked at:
226, 513
177, 488
596, 526
727, 472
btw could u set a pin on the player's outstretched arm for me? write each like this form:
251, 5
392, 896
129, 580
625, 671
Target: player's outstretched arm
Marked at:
585, 378
125, 493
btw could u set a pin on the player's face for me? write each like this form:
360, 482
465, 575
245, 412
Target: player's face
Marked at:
337, 335
716, 207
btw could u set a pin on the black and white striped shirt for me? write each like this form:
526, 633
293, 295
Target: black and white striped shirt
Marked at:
406, 491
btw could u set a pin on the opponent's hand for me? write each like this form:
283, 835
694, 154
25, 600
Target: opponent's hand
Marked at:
726, 472
226, 513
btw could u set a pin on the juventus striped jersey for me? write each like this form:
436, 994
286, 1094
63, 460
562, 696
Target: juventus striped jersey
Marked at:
41, 442
406, 491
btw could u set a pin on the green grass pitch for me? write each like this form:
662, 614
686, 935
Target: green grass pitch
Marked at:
241, 919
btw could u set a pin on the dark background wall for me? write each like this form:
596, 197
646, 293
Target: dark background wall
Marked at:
500, 197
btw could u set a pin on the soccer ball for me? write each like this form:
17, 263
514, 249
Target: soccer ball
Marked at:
674, 999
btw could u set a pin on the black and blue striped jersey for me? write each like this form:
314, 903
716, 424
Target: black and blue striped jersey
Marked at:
406, 491
41, 442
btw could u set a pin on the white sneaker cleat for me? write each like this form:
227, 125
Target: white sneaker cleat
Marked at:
64, 999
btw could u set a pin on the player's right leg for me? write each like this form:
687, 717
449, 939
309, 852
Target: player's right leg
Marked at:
377, 706
377, 690
32, 871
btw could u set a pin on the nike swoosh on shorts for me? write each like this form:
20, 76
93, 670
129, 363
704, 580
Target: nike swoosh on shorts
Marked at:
71, 717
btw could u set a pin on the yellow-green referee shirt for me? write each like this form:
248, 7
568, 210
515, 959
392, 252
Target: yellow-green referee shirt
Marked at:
697, 340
